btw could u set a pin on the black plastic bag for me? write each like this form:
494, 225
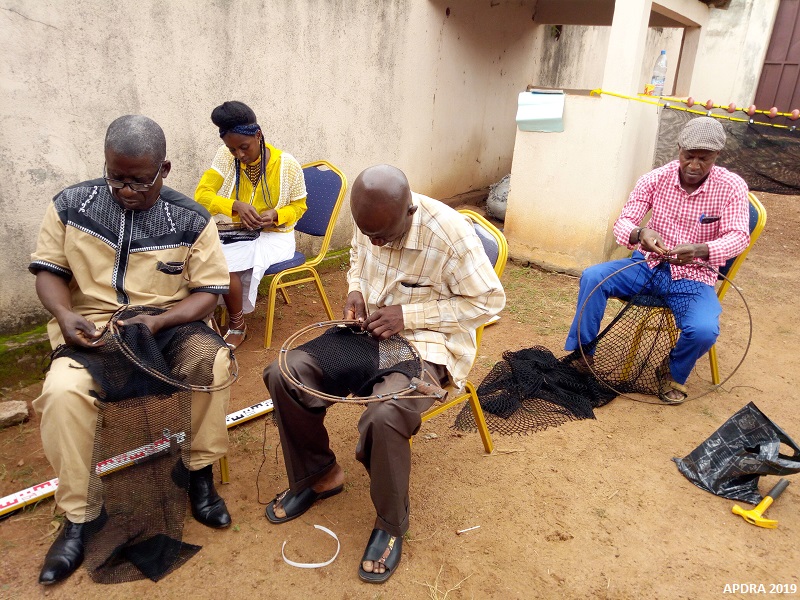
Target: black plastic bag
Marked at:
746, 447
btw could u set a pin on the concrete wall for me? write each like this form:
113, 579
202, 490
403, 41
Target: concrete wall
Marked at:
575, 57
356, 82
733, 51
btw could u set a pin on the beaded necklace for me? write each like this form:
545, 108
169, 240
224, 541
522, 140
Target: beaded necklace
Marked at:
253, 173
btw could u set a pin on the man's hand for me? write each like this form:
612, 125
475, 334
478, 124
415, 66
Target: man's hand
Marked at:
248, 215
354, 308
79, 331
385, 322
686, 253
651, 241
152, 322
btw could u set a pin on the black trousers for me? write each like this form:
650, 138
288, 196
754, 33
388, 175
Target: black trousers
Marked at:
384, 428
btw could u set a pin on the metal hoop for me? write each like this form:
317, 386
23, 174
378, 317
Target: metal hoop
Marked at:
417, 387
112, 329
659, 402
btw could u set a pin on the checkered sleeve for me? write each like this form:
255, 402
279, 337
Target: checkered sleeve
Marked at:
356, 265
639, 202
734, 228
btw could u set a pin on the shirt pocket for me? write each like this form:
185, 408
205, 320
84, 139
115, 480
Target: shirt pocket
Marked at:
167, 277
415, 292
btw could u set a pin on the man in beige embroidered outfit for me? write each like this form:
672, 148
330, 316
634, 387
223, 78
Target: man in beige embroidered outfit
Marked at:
124, 239
416, 268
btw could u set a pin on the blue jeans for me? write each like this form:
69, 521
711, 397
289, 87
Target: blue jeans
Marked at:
697, 318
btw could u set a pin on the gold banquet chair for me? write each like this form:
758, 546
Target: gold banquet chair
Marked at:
326, 187
496, 247
758, 218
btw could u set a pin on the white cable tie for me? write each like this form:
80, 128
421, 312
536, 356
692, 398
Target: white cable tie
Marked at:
313, 565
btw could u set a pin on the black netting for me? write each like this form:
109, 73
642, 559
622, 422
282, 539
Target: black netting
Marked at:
531, 390
138, 486
765, 157
353, 361
630, 350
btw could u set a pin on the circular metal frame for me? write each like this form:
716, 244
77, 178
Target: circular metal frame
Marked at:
660, 402
412, 390
113, 329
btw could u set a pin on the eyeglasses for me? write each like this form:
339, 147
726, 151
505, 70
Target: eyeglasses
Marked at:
134, 185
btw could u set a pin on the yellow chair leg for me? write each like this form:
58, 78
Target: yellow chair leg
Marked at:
322, 295
273, 289
225, 474
634, 348
712, 357
477, 412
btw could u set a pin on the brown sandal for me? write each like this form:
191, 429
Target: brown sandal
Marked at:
666, 384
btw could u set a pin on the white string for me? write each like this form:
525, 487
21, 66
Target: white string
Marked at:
313, 565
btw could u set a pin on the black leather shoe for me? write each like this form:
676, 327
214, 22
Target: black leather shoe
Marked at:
207, 506
65, 555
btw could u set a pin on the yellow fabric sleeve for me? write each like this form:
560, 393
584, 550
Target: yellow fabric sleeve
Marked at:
206, 194
291, 213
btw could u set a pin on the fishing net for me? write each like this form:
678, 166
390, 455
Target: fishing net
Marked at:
765, 157
138, 487
531, 390
353, 361
631, 353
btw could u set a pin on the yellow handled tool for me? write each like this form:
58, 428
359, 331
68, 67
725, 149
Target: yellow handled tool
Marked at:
754, 515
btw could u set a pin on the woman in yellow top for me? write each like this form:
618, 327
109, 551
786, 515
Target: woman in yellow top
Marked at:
263, 189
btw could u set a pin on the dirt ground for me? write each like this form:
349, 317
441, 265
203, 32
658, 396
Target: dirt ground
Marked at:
590, 509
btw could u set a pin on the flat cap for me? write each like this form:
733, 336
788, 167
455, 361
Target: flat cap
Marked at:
702, 133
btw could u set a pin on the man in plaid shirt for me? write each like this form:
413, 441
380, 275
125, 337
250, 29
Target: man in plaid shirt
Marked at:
417, 268
700, 212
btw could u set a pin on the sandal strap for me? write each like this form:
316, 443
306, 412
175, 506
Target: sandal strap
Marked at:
388, 551
679, 387
380, 547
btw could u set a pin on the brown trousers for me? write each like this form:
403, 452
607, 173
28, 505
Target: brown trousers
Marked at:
69, 419
384, 428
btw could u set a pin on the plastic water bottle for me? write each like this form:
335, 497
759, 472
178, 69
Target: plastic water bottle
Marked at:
659, 75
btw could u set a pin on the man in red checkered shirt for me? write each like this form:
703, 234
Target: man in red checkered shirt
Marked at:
700, 212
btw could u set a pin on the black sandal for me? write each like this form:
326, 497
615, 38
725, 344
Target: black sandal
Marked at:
382, 548
295, 505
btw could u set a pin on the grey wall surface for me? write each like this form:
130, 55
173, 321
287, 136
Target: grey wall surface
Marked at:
354, 82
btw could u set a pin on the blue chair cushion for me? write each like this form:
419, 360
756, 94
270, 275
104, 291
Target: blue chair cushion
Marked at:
323, 188
490, 245
753, 222
298, 259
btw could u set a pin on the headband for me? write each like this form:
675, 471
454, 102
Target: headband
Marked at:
251, 129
